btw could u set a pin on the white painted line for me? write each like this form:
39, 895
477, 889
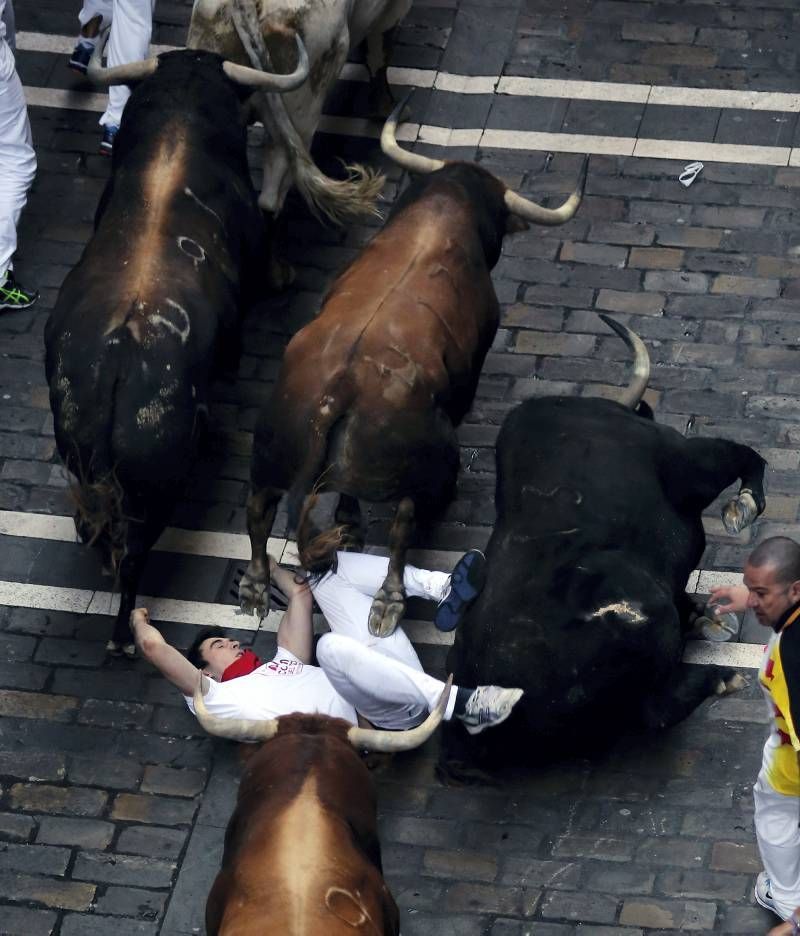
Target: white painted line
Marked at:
65, 100
464, 84
46, 597
442, 136
237, 546
203, 614
713, 152
560, 142
517, 86
737, 655
574, 90
63, 45
713, 97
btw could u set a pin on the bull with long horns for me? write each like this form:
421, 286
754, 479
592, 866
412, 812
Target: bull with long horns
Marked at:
154, 303
370, 393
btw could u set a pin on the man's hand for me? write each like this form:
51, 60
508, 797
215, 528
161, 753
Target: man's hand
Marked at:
729, 597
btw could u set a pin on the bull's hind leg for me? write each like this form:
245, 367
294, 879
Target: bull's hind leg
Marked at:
254, 584
716, 463
389, 604
131, 568
688, 686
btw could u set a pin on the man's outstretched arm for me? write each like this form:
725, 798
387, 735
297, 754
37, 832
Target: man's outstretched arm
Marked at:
169, 661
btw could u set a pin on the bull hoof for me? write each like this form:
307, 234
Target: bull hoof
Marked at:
733, 684
739, 512
253, 596
113, 648
386, 612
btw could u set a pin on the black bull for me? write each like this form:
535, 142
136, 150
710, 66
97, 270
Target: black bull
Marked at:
598, 528
150, 309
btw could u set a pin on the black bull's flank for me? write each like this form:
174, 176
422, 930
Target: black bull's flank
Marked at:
369, 393
598, 528
152, 306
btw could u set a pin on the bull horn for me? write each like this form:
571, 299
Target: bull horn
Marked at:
270, 81
414, 162
120, 74
235, 729
641, 362
389, 742
530, 211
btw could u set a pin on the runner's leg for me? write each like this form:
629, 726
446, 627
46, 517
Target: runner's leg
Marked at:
382, 688
776, 818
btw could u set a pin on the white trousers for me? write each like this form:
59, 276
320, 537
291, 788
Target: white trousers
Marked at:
17, 158
382, 678
131, 27
777, 817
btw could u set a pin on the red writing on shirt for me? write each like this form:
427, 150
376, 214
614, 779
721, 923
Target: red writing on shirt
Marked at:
285, 667
768, 669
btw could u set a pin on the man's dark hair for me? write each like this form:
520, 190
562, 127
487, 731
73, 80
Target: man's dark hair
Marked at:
780, 552
194, 655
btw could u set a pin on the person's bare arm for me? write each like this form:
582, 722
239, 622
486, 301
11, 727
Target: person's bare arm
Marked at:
296, 629
169, 661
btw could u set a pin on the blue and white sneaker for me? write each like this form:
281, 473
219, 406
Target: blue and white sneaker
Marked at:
488, 706
110, 132
762, 893
466, 582
81, 55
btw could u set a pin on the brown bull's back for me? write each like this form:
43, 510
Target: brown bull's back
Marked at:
299, 850
406, 318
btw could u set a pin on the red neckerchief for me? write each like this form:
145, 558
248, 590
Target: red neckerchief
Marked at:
246, 663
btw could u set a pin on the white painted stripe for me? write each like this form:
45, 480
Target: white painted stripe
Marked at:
202, 614
67, 100
63, 45
561, 142
574, 90
515, 85
737, 655
237, 546
464, 84
714, 97
713, 152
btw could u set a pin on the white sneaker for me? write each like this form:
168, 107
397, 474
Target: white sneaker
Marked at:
762, 894
488, 706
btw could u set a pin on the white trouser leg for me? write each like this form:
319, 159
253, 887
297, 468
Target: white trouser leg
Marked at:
776, 821
131, 27
345, 598
17, 158
383, 689
92, 8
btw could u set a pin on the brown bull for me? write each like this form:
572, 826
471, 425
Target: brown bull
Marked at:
370, 392
302, 856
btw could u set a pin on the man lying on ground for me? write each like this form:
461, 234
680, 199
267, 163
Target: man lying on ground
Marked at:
378, 678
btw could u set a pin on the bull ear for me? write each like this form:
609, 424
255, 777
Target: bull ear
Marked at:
515, 224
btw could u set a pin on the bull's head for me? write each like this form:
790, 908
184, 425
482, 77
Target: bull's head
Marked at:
516, 204
247, 77
371, 739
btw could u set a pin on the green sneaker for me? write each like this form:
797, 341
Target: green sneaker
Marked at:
14, 296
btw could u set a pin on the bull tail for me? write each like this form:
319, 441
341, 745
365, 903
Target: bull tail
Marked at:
340, 200
317, 548
95, 490
99, 515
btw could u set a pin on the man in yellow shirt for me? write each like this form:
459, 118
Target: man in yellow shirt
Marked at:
772, 589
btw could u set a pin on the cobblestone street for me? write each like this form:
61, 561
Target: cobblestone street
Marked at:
113, 801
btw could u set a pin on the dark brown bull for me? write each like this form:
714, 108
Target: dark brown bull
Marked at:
370, 392
152, 307
302, 856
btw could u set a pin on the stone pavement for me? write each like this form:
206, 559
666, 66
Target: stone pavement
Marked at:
113, 803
